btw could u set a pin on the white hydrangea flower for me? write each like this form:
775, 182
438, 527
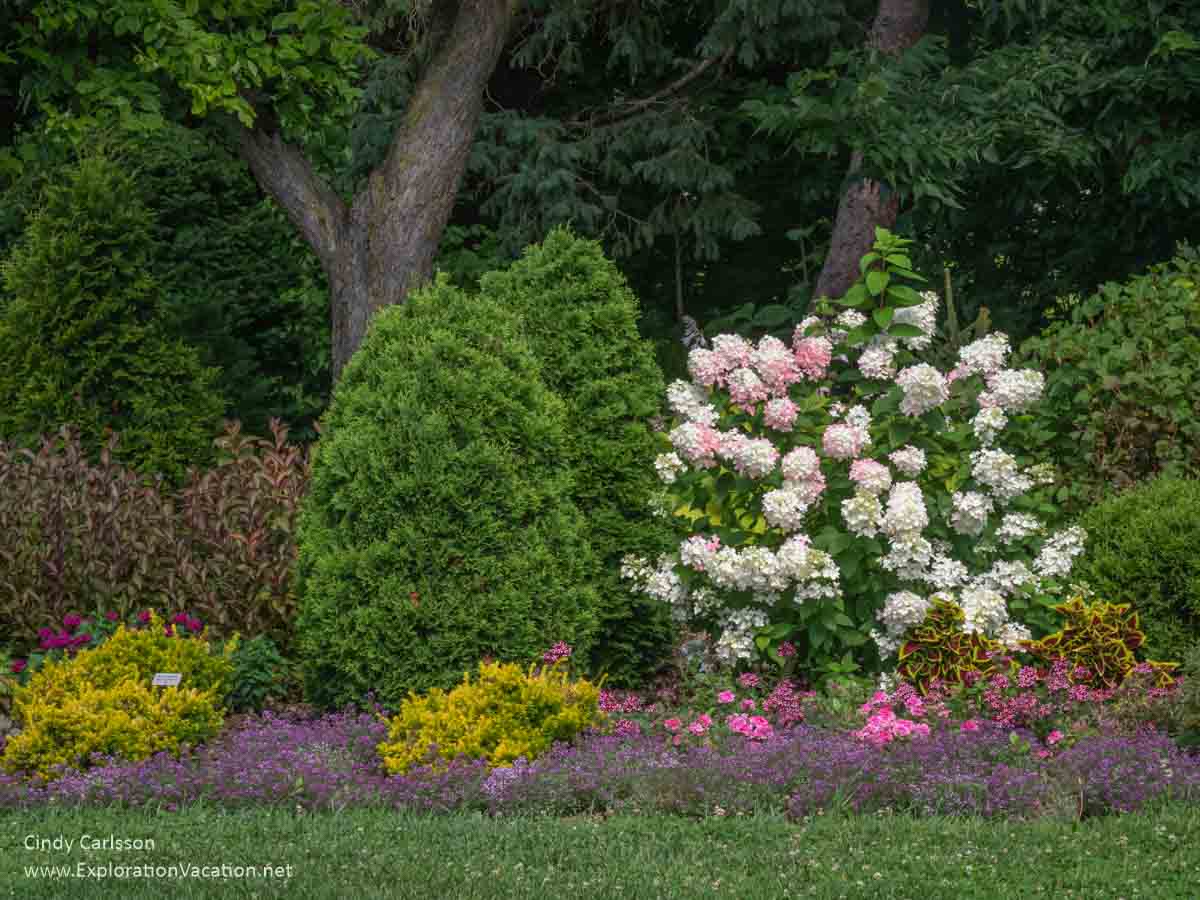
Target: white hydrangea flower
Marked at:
857, 416
903, 610
970, 512
1059, 552
785, 508
850, 318
878, 362
871, 476
801, 464
909, 460
924, 389
984, 610
1011, 634
1042, 473
909, 557
888, 646
1005, 577
737, 636
698, 552
669, 466
1013, 390
843, 441
923, 316
862, 514
905, 509
661, 581
998, 471
1016, 527
988, 423
986, 355
946, 573
691, 402
752, 457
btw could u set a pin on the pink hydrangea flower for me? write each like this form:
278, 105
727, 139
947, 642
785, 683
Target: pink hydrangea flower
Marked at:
786, 649
748, 680
780, 414
813, 355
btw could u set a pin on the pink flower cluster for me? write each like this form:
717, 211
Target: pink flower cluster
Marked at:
785, 703
559, 651
884, 726
620, 701
755, 727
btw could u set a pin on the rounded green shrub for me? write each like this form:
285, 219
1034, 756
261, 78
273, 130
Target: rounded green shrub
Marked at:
83, 338
581, 320
1141, 550
439, 527
1122, 400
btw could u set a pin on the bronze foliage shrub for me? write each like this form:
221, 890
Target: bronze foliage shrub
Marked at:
78, 537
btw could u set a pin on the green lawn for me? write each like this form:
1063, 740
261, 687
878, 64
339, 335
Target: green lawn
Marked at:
367, 853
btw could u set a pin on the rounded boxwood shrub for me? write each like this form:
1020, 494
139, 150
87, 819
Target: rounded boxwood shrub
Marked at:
1141, 550
1122, 399
83, 338
581, 320
439, 527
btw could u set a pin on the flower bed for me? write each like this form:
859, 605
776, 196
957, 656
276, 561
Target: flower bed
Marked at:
332, 762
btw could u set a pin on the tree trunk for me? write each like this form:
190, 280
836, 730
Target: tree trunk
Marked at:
382, 245
865, 203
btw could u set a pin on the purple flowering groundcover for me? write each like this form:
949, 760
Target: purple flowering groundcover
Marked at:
331, 762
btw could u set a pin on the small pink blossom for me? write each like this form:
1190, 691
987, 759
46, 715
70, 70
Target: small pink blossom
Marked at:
969, 725
726, 697
748, 704
748, 680
18, 666
786, 649
672, 725
1054, 737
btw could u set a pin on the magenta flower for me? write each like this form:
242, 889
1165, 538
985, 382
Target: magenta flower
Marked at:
726, 697
560, 651
112, 615
672, 725
194, 625
1054, 737
969, 725
144, 617
786, 649
748, 680
748, 704
18, 666
71, 621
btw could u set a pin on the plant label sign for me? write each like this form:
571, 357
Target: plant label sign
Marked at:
167, 679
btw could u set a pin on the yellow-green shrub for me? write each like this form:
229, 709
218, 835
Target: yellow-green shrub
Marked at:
102, 701
506, 714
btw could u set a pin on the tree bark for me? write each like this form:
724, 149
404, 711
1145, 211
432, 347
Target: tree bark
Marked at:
382, 245
865, 203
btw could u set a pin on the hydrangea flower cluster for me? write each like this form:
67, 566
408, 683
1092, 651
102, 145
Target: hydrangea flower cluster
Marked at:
832, 467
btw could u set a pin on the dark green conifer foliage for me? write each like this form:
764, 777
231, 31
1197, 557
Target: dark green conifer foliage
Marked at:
83, 338
581, 320
439, 526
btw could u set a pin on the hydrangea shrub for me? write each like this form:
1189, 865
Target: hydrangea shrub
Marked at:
835, 487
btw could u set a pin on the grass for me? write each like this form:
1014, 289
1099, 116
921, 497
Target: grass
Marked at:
375, 853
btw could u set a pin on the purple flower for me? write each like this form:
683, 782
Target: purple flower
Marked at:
71, 621
112, 615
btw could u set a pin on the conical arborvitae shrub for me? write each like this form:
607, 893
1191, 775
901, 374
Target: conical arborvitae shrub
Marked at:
439, 527
83, 340
581, 320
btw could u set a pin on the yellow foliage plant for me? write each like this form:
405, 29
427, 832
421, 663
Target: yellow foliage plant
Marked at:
102, 702
508, 713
